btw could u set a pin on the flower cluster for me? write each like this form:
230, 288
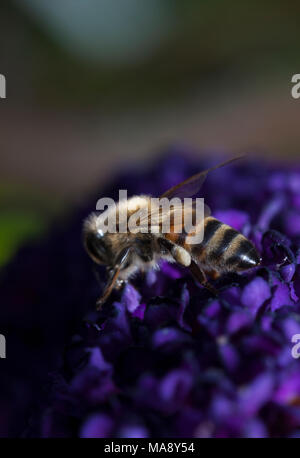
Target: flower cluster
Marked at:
164, 358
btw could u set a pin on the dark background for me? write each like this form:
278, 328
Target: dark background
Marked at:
96, 86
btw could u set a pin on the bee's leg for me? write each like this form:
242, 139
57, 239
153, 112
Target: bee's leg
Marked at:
120, 284
213, 274
113, 277
200, 276
180, 255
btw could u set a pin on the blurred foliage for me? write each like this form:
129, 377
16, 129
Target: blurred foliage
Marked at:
24, 215
207, 40
17, 227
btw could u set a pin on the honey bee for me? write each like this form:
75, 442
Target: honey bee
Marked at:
222, 249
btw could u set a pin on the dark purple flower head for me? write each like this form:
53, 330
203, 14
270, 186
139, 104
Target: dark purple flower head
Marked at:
164, 358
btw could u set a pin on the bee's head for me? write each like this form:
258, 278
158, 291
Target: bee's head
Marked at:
95, 242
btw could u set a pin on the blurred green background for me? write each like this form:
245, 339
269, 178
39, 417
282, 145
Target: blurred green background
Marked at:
94, 86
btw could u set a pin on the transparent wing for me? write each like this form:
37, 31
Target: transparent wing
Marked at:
172, 219
157, 217
192, 185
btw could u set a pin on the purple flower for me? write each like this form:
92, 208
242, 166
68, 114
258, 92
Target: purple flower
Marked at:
98, 425
164, 358
255, 294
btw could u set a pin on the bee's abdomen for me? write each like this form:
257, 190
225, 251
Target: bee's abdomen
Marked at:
225, 248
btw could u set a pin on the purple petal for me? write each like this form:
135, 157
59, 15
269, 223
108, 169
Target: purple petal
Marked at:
184, 301
288, 272
175, 386
133, 431
97, 426
288, 389
255, 428
234, 218
281, 297
237, 321
272, 208
97, 360
230, 356
256, 394
292, 223
131, 298
255, 294
167, 335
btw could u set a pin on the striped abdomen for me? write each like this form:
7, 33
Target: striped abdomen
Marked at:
225, 249
222, 249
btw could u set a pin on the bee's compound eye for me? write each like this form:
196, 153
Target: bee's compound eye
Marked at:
95, 247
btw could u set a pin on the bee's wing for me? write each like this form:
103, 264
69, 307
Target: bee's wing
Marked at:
157, 218
188, 188
192, 185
